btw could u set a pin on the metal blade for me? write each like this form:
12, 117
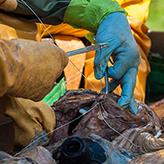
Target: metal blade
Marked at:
88, 49
106, 81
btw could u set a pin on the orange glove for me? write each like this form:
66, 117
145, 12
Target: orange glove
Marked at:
9, 5
28, 70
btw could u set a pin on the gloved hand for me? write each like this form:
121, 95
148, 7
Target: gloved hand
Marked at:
9, 5
28, 69
115, 30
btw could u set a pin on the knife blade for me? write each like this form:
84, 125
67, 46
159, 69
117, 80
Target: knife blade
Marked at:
88, 49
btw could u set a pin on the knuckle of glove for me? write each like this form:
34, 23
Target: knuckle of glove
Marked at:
134, 55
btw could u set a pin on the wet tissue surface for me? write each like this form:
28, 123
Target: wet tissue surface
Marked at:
92, 122
103, 113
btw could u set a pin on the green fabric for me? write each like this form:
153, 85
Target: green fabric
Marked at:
49, 11
56, 92
89, 37
155, 80
88, 14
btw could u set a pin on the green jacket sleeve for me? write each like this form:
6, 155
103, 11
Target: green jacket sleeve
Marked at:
85, 14
88, 14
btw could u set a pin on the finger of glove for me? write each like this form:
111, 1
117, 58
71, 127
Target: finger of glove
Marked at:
111, 85
133, 106
119, 68
126, 55
101, 62
9, 5
128, 85
102, 57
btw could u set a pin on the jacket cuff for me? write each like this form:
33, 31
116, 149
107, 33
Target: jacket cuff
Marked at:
89, 14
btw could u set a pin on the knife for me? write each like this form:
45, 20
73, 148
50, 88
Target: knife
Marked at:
88, 49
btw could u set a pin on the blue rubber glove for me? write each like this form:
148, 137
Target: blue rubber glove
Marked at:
115, 30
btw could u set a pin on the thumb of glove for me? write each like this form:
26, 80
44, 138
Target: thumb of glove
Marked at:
9, 5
